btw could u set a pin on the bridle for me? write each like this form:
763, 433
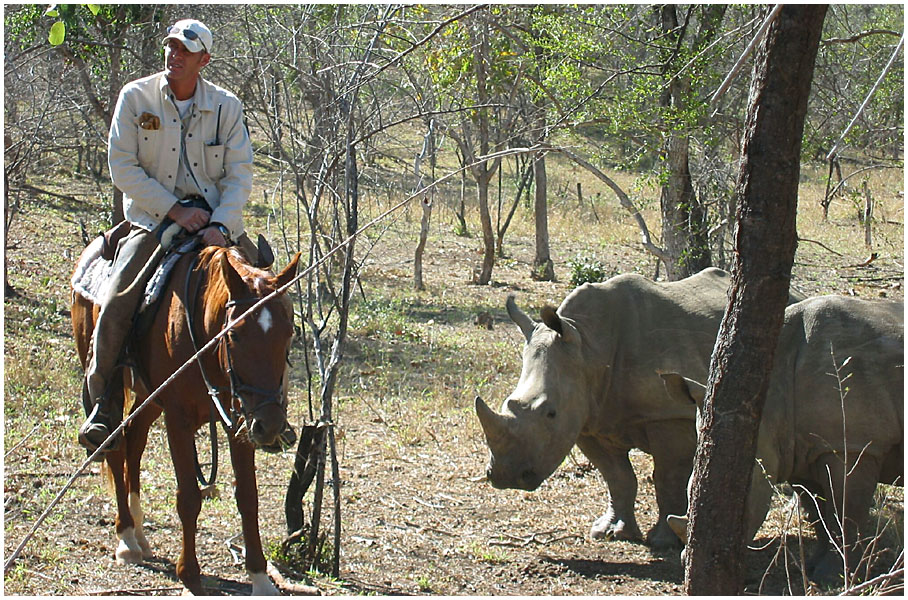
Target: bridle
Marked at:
238, 389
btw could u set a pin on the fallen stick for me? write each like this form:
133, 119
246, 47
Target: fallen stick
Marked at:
134, 592
298, 589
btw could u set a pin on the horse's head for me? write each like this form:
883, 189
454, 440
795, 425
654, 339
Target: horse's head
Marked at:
254, 352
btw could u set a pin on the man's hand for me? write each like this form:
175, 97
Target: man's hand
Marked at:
212, 236
190, 219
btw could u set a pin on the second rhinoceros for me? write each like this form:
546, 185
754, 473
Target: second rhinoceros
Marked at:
589, 378
836, 394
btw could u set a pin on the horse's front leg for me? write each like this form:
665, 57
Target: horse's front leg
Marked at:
189, 498
128, 549
242, 455
136, 440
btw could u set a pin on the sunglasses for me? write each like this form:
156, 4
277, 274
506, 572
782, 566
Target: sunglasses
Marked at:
189, 34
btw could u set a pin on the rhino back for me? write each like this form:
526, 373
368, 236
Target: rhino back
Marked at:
632, 328
804, 406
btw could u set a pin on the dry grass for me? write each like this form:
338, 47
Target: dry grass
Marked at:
417, 517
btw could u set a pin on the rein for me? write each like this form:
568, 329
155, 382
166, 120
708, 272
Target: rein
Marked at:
238, 389
213, 392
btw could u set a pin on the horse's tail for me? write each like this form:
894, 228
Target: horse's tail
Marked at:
106, 474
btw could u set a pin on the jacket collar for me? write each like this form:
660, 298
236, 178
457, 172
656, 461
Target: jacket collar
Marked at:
202, 97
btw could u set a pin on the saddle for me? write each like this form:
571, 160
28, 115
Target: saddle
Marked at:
94, 268
96, 265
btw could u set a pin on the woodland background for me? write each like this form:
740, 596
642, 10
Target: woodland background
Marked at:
522, 147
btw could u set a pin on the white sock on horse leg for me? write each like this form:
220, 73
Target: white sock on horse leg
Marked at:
128, 550
262, 585
138, 517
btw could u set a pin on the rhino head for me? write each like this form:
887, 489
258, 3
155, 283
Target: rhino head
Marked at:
541, 419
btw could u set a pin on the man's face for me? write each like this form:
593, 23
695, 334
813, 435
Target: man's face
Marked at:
182, 65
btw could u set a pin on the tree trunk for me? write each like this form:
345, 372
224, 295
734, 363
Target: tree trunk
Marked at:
482, 171
8, 289
461, 211
488, 236
685, 231
765, 242
543, 268
421, 246
523, 182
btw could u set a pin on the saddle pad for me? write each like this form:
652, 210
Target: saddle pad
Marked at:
91, 274
158, 281
90, 279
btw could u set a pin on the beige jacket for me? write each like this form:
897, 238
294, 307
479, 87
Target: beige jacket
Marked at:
144, 152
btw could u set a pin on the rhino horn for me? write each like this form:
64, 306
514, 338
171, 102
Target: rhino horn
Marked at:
494, 425
679, 526
526, 324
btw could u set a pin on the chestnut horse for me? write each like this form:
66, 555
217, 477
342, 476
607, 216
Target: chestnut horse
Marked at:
207, 290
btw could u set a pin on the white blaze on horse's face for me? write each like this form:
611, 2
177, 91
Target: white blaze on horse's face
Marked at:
265, 320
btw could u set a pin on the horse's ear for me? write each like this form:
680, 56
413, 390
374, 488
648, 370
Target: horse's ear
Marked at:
289, 272
233, 279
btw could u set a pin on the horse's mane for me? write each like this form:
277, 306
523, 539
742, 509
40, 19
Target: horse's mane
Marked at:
260, 279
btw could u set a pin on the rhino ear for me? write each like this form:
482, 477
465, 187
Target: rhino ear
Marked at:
523, 321
560, 326
684, 389
552, 320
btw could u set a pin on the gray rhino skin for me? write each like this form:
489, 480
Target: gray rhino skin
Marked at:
589, 378
801, 432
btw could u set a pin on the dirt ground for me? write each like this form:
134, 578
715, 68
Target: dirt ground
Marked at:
418, 516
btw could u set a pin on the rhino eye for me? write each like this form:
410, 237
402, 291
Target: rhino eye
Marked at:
551, 414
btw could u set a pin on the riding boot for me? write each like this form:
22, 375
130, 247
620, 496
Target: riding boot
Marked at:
101, 400
103, 418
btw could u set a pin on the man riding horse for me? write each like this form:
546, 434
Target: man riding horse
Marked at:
180, 153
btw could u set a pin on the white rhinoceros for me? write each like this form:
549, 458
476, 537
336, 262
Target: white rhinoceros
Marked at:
802, 439
589, 378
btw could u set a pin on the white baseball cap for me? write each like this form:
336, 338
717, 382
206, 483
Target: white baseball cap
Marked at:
194, 35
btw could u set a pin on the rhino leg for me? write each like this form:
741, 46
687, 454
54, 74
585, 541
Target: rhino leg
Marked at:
847, 524
760, 496
618, 522
672, 445
755, 508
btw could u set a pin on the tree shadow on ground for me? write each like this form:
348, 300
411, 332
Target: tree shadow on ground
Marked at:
661, 569
211, 584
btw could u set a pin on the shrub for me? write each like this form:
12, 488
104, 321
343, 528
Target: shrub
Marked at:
586, 269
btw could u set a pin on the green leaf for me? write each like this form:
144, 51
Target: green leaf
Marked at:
94, 8
57, 33
52, 11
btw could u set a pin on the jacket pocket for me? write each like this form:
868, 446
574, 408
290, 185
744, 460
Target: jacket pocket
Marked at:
214, 161
148, 141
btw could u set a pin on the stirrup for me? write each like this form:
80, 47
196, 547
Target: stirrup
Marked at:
95, 430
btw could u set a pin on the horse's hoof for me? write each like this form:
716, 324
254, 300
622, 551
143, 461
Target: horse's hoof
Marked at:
126, 556
262, 585
130, 550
